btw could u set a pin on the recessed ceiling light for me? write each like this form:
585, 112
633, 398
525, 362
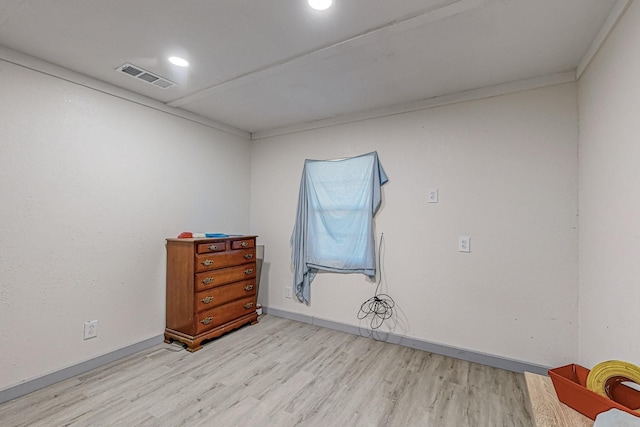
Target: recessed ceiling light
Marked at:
320, 4
180, 62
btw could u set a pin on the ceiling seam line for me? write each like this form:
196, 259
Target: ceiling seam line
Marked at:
396, 26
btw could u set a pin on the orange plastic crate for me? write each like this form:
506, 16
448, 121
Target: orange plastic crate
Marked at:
570, 384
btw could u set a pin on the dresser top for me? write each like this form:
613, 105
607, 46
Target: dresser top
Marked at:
210, 239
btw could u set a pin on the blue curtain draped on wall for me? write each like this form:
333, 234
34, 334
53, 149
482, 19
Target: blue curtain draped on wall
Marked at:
334, 223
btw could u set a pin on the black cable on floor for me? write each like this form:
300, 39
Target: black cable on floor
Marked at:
379, 306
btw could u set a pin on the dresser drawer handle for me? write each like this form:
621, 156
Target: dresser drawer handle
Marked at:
248, 305
248, 271
248, 256
206, 320
207, 300
213, 247
244, 244
207, 262
248, 287
207, 280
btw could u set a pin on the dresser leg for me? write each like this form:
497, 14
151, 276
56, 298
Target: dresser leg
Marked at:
193, 348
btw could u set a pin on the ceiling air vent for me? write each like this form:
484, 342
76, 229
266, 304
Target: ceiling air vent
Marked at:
146, 76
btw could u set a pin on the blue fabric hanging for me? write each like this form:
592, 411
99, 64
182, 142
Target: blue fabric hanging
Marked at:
334, 222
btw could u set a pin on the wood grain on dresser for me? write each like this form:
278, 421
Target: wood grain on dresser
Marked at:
211, 288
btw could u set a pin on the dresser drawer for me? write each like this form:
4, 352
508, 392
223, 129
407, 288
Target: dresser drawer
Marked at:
242, 244
204, 248
224, 294
210, 261
225, 313
223, 276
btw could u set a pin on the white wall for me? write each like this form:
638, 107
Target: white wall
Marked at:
609, 105
506, 168
90, 186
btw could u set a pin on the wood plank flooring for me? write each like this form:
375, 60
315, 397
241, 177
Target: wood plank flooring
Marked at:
281, 373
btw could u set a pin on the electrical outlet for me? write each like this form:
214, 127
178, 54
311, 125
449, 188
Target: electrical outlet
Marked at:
464, 244
90, 329
432, 196
287, 292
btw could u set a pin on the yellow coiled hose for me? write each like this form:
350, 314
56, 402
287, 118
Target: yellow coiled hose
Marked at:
611, 369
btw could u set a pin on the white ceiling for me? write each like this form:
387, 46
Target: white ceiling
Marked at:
260, 65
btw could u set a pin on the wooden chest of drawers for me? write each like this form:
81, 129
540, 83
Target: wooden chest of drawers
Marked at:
211, 288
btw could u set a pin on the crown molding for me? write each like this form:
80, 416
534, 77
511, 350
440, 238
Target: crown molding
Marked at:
439, 101
26, 61
610, 23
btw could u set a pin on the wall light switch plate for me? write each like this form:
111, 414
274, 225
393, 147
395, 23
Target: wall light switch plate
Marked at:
432, 195
464, 244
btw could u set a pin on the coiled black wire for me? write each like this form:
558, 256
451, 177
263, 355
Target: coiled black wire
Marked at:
379, 306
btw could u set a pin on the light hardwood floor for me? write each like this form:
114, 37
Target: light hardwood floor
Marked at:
281, 373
